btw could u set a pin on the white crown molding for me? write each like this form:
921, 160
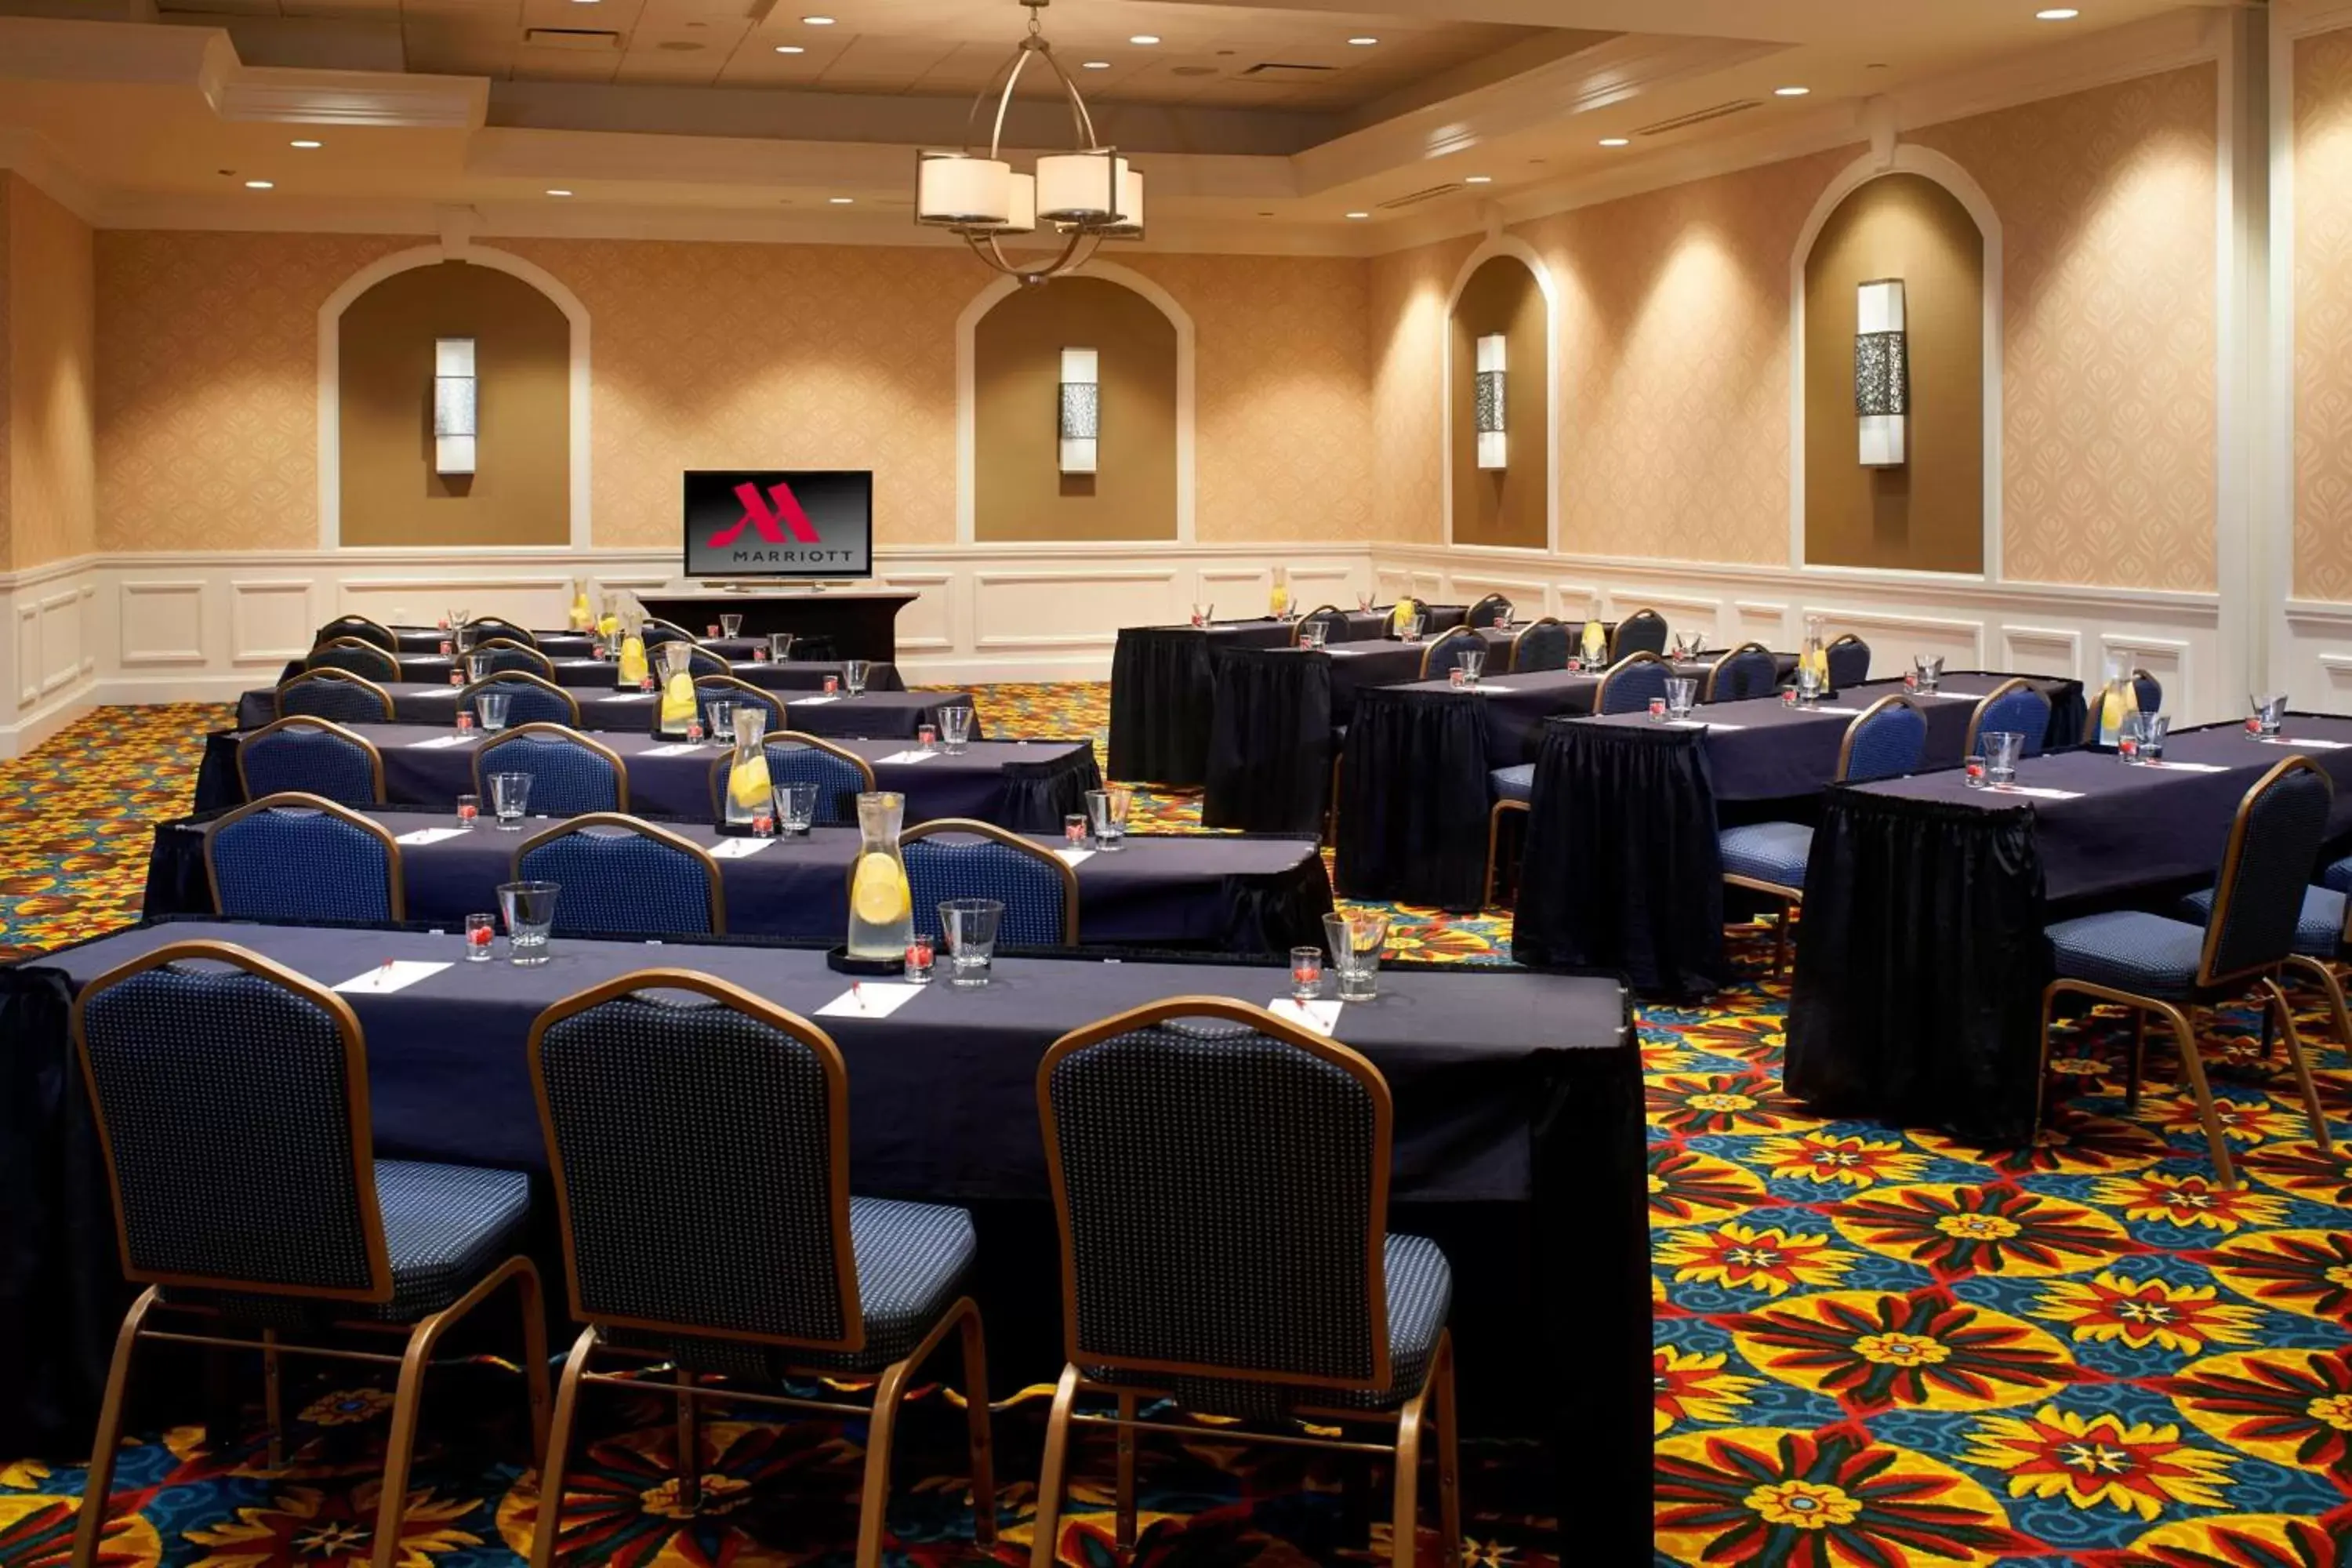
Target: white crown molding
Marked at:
293, 97
32, 159
2160, 43
2300, 19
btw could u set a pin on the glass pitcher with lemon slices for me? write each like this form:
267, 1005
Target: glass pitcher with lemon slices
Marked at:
680, 707
881, 907
630, 672
749, 792
1812, 663
582, 617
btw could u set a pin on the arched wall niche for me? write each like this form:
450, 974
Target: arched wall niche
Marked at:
1509, 505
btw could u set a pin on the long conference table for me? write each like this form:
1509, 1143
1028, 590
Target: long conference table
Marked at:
1226, 893
582, 673
1029, 786
1518, 1146
869, 715
1921, 959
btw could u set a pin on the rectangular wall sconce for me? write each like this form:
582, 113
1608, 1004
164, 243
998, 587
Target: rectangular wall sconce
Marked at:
1488, 401
1081, 418
1882, 373
454, 401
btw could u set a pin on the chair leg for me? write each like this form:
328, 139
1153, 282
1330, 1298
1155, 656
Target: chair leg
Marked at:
1780, 939
977, 1424
545, 1536
1126, 1526
2042, 1059
874, 1506
1449, 1456
2269, 1039
97, 1487
1047, 1525
1404, 1520
689, 1443
2138, 1057
273, 1398
2193, 1066
530, 1299
2299, 1062
2334, 987
400, 1446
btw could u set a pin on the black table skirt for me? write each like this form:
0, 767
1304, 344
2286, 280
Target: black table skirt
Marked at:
1412, 799
875, 715
1270, 741
1160, 704
1552, 1314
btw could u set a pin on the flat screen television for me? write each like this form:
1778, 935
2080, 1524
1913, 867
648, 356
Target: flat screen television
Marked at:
780, 522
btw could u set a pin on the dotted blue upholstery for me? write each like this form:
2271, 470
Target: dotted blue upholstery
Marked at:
656, 633
299, 863
1513, 783
528, 659
527, 703
2149, 691
2130, 951
741, 693
838, 781
2318, 927
568, 775
1446, 652
700, 661
372, 662
2023, 710
1773, 852
1643, 631
1849, 663
1748, 672
1486, 612
1543, 646
618, 883
1629, 689
444, 1226
327, 696
484, 628
1218, 1184
309, 761
1887, 743
359, 627
2284, 827
1030, 890
2338, 875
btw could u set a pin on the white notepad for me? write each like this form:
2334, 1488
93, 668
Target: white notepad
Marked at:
440, 742
870, 999
1074, 856
2038, 791
674, 749
1322, 1017
1701, 724
740, 848
908, 758
2305, 745
1484, 688
396, 975
631, 697
808, 702
1964, 696
2188, 767
432, 835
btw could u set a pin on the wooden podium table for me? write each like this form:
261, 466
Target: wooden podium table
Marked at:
862, 623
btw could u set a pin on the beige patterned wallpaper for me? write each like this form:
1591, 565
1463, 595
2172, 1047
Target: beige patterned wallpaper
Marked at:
2322, 316
50, 474
1408, 292
8, 184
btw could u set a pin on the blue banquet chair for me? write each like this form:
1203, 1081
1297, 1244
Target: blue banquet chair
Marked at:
1748, 671
1330, 617
657, 631
310, 756
571, 774
1643, 631
1445, 652
1542, 645
623, 875
530, 700
1628, 685
293, 857
658, 1090
956, 858
2017, 705
354, 657
493, 629
1885, 740
2171, 968
500, 654
230, 1096
1849, 662
840, 775
1487, 612
1222, 1180
742, 694
358, 627
334, 694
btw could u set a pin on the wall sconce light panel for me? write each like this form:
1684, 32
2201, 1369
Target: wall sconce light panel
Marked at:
455, 403
1081, 412
1881, 373
1488, 401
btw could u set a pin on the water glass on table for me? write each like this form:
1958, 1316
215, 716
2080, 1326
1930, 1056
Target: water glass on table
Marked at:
1471, 663
1410, 630
955, 728
1107, 809
1314, 634
1682, 691
1356, 939
529, 911
492, 708
854, 672
1305, 974
721, 711
510, 796
2001, 750
971, 927
779, 646
731, 626
795, 807
1927, 672
2269, 715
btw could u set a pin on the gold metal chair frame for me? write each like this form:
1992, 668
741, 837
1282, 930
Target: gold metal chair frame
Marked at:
1520, 635
2184, 1032
519, 677
1845, 638
890, 1382
546, 665
574, 737
1460, 637
739, 690
643, 830
1318, 610
1714, 670
1976, 718
381, 652
375, 758
966, 826
1470, 616
499, 629
787, 737
329, 676
329, 633
1410, 1418
398, 902
1610, 675
422, 1337
1643, 616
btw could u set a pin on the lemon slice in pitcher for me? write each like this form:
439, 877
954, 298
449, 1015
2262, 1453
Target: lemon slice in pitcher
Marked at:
748, 784
880, 894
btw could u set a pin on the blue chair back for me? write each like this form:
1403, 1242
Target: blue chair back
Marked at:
571, 774
1885, 740
675, 1106
657, 632
1643, 631
2265, 866
1628, 685
486, 627
2013, 705
360, 627
233, 1113
334, 694
2149, 690
310, 756
355, 657
501, 654
1542, 645
1487, 612
529, 698
1849, 662
1330, 616
742, 694
1748, 671
623, 877
1201, 1150
957, 858
1446, 652
840, 777
301, 857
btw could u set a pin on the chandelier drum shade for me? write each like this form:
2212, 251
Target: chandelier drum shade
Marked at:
1086, 196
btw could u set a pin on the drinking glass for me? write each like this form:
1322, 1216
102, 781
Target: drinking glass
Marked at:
480, 930
1073, 830
510, 793
1305, 974
731, 626
2270, 714
1364, 604
1107, 808
1410, 631
779, 646
1682, 690
2128, 737
721, 710
530, 908
1355, 940
1928, 669
971, 927
955, 728
492, 707
2153, 728
1201, 613
1314, 634
2001, 748
470, 810
1972, 771
853, 673
1471, 662
478, 664
795, 807
927, 738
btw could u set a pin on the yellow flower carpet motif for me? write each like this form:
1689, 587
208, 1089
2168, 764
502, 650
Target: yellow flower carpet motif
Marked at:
1874, 1347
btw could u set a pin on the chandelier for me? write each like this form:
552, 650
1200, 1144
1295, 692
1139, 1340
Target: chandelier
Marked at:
1086, 195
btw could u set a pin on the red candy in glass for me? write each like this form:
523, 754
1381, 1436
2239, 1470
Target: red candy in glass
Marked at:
919, 953
479, 936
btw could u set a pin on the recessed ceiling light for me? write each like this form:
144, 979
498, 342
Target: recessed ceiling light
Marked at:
1614, 142
1094, 64
2057, 14
1144, 38
841, 201
306, 146
1359, 215
559, 193
790, 49
816, 21
1791, 92
1477, 179
1363, 41
260, 185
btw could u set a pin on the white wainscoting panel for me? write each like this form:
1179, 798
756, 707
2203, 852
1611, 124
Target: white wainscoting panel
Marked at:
2043, 650
1068, 608
271, 620
48, 661
160, 622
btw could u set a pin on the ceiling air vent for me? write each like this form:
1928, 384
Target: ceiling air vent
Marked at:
1417, 197
1277, 70
1701, 117
572, 38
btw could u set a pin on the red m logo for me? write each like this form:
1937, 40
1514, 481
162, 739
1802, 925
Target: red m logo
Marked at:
772, 523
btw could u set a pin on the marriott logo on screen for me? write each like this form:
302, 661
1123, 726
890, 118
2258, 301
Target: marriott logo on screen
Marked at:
774, 515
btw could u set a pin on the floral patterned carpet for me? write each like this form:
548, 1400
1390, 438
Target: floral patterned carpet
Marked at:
1873, 1349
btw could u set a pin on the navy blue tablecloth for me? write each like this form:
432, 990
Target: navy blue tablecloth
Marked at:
884, 715
593, 674
566, 645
